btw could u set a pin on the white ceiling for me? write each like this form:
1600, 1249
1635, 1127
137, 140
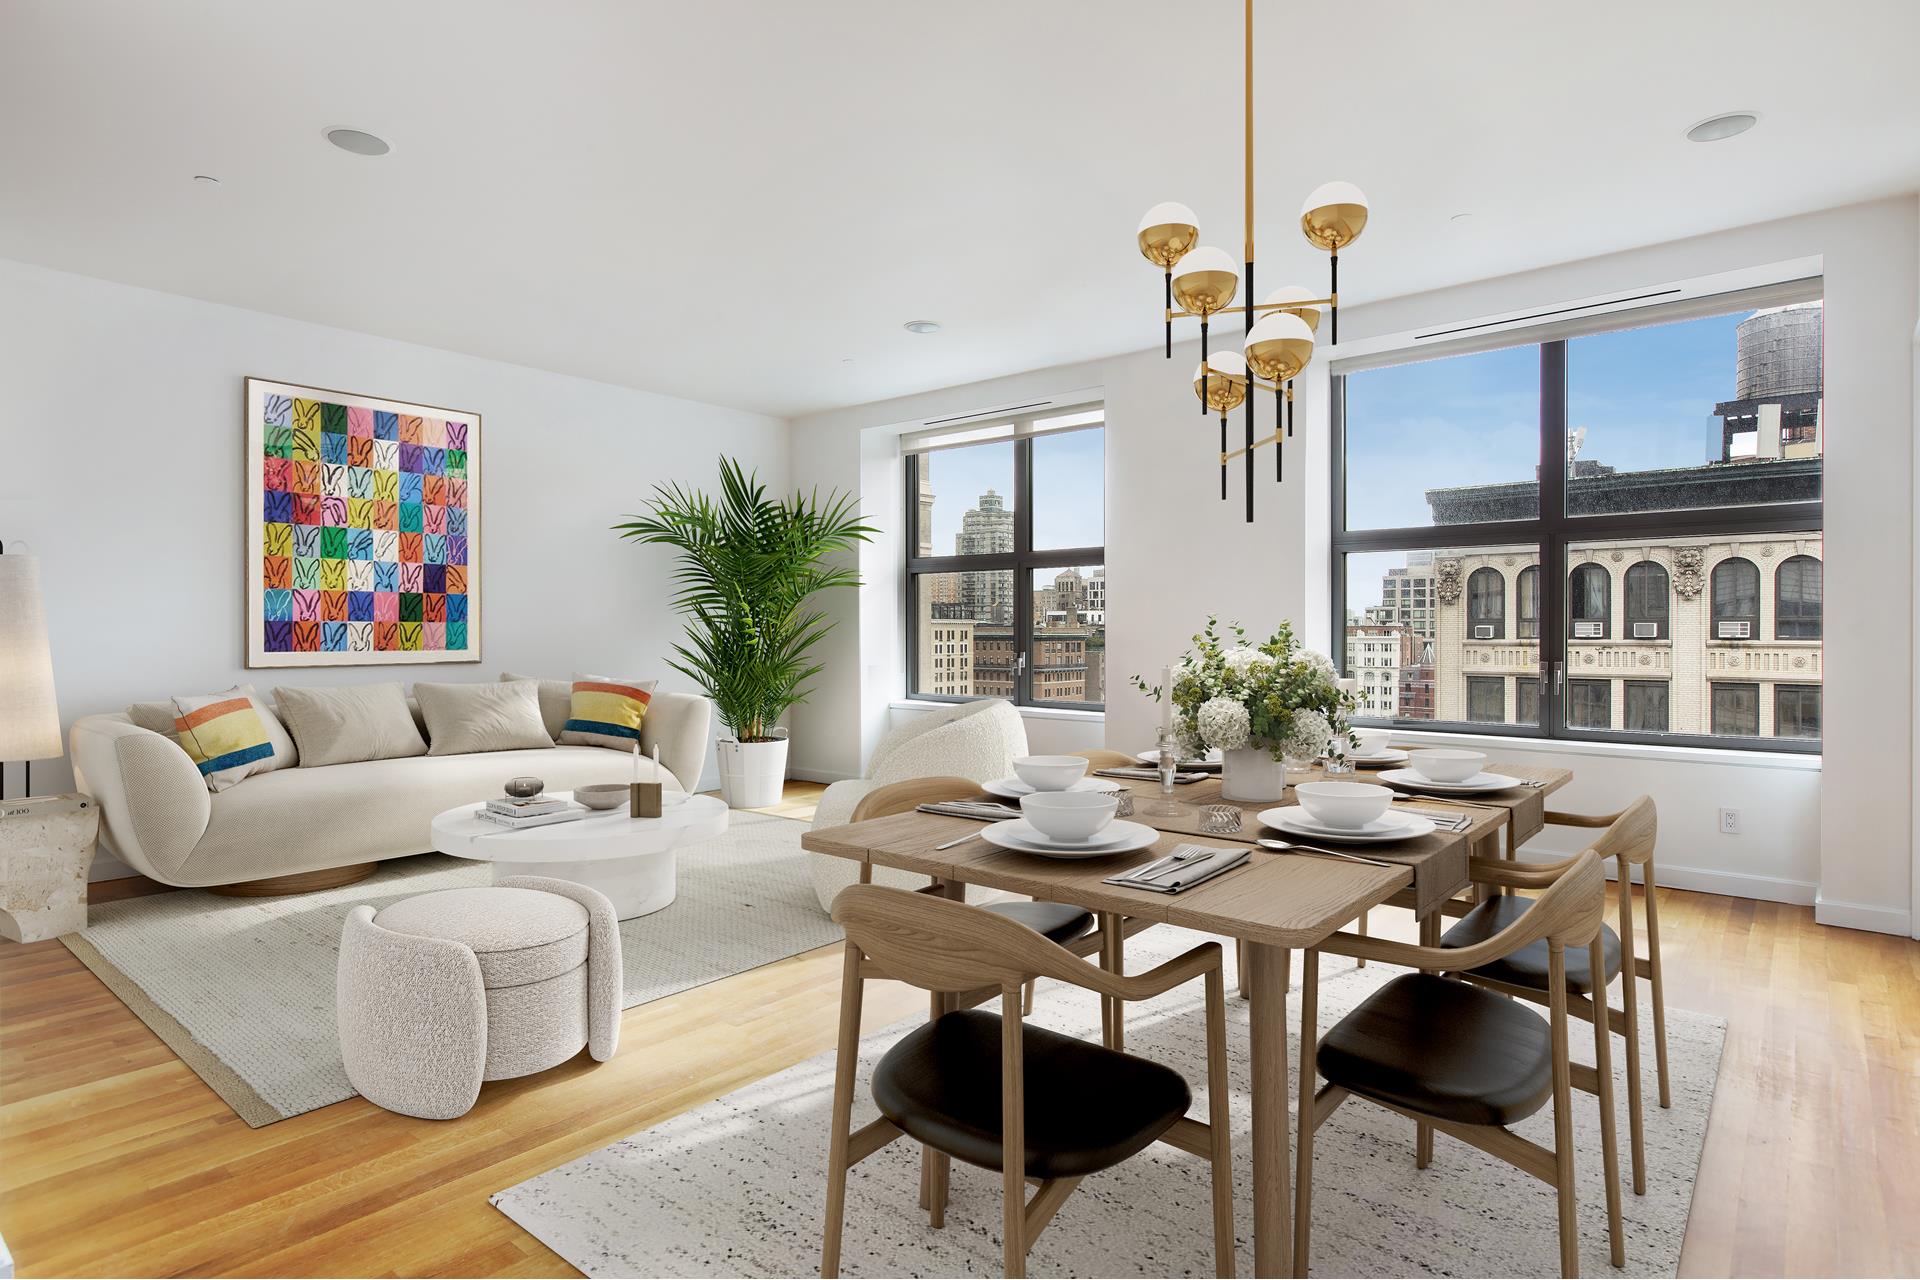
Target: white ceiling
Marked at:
741, 201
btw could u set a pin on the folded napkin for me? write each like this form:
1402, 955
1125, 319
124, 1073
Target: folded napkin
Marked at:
990, 810
1149, 775
1175, 877
1445, 819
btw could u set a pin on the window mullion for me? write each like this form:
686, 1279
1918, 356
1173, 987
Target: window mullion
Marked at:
1023, 572
1554, 692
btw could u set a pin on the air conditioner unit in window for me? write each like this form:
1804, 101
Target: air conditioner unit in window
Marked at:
1733, 630
1483, 633
1646, 631
1588, 630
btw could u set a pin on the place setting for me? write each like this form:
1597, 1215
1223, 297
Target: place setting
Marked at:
1046, 773
1373, 751
1449, 772
1348, 813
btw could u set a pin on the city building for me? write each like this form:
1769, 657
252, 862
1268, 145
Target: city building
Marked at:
1377, 655
986, 529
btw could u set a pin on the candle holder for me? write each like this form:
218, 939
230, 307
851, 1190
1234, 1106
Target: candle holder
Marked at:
645, 799
1164, 805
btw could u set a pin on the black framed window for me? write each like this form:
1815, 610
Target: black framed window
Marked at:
1590, 704
1486, 699
1526, 603
1646, 591
1736, 599
1796, 710
1796, 602
1645, 706
1736, 708
1590, 601
1458, 471
1486, 605
1006, 586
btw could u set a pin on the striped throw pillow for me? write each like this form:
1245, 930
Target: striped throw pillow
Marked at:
606, 712
224, 737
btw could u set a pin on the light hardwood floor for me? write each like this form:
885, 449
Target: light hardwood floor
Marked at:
116, 1160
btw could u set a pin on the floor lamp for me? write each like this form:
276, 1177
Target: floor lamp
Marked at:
29, 719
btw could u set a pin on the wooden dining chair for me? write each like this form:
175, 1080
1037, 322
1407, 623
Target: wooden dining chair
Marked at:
1102, 758
1072, 927
1627, 838
1451, 1055
990, 1090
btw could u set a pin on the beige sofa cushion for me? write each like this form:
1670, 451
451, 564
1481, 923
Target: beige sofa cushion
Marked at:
349, 723
463, 718
304, 819
556, 701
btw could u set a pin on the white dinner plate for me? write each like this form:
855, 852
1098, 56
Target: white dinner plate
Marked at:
1392, 755
1207, 763
1013, 788
1414, 780
1392, 826
1018, 835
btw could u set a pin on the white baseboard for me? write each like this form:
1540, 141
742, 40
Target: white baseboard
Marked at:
1728, 884
820, 775
1861, 915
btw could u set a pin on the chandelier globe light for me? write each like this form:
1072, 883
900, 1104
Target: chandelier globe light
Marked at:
1281, 332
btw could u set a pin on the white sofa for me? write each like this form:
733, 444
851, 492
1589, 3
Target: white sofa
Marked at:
157, 816
973, 740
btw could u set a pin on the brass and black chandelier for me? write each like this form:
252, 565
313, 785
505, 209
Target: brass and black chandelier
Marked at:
1280, 332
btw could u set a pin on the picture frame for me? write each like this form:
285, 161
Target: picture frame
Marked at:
350, 559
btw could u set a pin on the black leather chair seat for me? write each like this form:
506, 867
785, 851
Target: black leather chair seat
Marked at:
1088, 1107
1527, 967
1054, 920
1444, 1049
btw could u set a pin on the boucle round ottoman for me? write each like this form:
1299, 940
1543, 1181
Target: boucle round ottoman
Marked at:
440, 992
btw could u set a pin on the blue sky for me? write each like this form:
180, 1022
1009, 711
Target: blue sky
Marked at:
1069, 481
1645, 396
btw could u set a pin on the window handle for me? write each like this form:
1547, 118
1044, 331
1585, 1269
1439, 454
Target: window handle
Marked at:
1559, 677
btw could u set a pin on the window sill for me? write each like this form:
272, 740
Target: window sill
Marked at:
1030, 713
1495, 744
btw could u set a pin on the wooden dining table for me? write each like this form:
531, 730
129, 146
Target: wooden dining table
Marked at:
1273, 904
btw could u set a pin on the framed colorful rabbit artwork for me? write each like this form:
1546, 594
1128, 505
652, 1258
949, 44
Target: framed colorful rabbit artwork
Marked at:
363, 530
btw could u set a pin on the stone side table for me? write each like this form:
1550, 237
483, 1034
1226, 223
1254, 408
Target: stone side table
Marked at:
46, 846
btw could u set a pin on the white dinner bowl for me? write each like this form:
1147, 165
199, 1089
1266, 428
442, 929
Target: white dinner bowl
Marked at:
1050, 773
1447, 765
1373, 742
1343, 804
1075, 816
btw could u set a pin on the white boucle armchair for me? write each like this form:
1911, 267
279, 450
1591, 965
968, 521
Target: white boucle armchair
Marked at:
973, 740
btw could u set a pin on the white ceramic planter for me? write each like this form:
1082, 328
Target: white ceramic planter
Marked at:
1252, 774
753, 774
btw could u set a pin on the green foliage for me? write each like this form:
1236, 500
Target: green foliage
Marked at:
748, 565
1274, 680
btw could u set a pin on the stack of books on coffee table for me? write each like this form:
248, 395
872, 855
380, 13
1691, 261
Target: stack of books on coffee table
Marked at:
536, 811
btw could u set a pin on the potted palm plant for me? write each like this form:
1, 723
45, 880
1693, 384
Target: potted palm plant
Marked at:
749, 566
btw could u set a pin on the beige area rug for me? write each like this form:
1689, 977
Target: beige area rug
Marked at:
737, 1187
242, 988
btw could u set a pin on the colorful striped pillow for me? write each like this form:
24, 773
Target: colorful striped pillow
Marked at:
224, 737
606, 713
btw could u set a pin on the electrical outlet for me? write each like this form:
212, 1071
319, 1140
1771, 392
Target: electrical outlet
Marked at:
1729, 822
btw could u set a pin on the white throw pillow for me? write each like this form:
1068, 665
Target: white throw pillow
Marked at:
350, 722
466, 718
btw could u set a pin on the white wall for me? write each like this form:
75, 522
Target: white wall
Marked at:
121, 468
1175, 551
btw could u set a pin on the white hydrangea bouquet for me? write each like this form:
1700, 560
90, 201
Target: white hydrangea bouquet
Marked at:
1275, 699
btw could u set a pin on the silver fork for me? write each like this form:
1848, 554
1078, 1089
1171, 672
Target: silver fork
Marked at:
1154, 870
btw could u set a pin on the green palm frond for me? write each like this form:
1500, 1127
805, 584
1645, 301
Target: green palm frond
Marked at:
747, 567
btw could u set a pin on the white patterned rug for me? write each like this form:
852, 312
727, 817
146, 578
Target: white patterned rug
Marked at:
242, 988
737, 1186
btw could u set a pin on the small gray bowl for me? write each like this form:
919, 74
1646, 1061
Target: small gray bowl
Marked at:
524, 788
602, 795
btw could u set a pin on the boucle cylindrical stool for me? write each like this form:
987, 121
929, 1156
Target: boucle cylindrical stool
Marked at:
440, 992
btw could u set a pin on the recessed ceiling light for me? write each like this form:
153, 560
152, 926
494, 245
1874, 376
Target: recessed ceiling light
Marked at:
206, 180
361, 144
922, 326
1721, 127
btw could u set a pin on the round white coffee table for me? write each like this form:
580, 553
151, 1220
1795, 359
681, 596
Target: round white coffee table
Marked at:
631, 860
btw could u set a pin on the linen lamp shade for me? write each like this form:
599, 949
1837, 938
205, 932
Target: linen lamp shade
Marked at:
29, 720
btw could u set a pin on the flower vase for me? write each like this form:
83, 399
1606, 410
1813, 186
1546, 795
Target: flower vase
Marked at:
1252, 774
